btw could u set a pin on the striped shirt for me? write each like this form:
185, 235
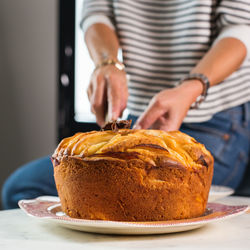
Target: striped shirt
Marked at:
162, 40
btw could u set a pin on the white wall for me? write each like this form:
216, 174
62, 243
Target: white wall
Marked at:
28, 77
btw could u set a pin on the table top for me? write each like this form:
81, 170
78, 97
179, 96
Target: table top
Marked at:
19, 231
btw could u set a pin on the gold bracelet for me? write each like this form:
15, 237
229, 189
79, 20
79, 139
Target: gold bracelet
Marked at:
116, 63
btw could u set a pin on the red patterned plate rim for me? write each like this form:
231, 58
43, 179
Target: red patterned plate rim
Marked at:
48, 207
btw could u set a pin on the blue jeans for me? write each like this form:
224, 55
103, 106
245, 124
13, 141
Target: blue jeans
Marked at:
226, 136
29, 181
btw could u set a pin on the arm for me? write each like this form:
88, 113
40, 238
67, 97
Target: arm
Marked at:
167, 109
222, 60
102, 43
107, 90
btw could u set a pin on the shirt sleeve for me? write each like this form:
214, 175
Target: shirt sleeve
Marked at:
233, 20
97, 11
96, 19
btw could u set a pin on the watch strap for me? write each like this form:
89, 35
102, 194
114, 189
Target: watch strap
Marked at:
205, 82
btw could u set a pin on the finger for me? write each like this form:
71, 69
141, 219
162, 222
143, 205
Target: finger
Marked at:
160, 123
167, 122
98, 99
123, 103
151, 114
174, 122
90, 90
115, 97
113, 103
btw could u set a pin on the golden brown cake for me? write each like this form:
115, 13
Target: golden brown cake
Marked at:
132, 175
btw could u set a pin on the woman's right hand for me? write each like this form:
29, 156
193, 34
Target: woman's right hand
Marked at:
107, 93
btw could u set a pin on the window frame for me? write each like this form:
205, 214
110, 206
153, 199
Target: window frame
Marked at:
66, 124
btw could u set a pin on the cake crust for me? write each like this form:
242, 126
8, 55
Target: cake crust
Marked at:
132, 175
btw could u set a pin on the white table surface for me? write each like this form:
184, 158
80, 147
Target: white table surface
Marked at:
19, 231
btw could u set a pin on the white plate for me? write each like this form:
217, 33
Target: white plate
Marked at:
48, 208
219, 192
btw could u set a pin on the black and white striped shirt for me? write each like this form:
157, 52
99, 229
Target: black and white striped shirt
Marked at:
162, 40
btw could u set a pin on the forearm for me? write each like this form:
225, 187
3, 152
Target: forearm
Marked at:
219, 62
102, 43
222, 60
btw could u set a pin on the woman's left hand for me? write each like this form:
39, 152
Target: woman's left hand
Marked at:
168, 108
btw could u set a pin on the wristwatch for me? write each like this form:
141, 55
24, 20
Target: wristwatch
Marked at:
206, 84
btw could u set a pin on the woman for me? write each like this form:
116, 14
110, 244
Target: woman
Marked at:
189, 69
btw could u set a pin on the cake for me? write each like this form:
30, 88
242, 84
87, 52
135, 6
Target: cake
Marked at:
132, 175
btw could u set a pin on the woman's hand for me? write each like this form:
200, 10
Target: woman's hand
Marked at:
168, 108
108, 93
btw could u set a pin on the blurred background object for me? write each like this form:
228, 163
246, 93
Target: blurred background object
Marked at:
75, 68
28, 79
